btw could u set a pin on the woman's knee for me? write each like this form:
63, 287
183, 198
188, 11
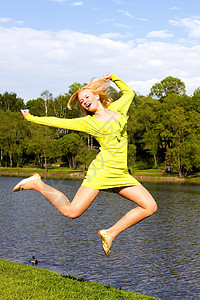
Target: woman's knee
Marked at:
151, 208
155, 207
71, 213
149, 203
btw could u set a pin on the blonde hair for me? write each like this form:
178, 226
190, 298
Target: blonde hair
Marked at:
97, 86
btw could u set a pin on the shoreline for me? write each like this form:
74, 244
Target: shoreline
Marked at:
81, 175
72, 176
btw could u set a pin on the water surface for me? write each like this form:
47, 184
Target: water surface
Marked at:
157, 257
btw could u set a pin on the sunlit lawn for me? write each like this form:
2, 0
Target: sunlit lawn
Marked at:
137, 171
60, 170
26, 282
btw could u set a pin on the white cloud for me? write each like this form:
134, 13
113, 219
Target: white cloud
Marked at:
142, 87
115, 35
126, 13
105, 21
122, 25
141, 19
5, 20
19, 22
175, 8
191, 25
78, 3
192, 84
33, 60
162, 34
10, 21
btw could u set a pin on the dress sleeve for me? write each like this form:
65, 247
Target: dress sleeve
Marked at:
124, 102
79, 124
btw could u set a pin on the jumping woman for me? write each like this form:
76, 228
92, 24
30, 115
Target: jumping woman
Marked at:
107, 122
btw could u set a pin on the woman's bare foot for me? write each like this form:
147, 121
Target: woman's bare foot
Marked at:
27, 183
106, 241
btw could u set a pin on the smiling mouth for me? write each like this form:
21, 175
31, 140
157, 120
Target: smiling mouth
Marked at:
88, 105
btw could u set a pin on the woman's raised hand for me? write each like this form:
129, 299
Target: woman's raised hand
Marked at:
107, 76
24, 112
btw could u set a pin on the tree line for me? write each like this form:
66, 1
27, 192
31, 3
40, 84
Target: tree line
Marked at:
163, 129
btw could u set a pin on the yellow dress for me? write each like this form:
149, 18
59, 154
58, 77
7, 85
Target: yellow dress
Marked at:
109, 168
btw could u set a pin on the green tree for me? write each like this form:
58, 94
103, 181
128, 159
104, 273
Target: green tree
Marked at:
197, 92
167, 86
36, 107
38, 142
179, 128
151, 140
192, 146
114, 94
68, 146
73, 88
60, 109
47, 98
10, 101
195, 99
131, 156
11, 138
144, 126
85, 155
42, 106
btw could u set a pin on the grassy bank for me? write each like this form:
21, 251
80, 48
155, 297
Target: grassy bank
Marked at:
26, 282
52, 173
151, 175
60, 170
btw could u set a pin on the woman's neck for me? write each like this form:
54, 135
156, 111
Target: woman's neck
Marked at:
105, 115
101, 111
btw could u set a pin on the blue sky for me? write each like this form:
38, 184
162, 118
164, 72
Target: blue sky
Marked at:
49, 44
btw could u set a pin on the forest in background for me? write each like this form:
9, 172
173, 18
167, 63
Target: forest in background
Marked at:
163, 129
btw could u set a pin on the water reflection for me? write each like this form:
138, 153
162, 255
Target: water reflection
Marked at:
158, 257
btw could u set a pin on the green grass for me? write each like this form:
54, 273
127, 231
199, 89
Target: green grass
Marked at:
64, 170
26, 282
151, 171
60, 170
152, 174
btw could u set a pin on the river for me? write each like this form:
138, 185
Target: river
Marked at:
158, 257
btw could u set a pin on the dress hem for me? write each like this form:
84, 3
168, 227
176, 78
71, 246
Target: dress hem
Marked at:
111, 186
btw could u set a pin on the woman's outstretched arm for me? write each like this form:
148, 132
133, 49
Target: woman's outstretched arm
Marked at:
79, 124
124, 102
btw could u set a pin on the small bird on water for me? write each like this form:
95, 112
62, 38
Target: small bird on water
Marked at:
34, 260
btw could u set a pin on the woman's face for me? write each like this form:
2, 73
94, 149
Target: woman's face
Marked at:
88, 100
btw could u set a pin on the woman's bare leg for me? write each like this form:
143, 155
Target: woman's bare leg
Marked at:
82, 200
146, 207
